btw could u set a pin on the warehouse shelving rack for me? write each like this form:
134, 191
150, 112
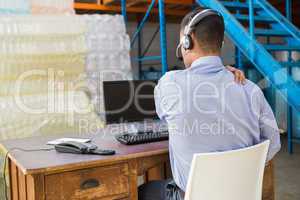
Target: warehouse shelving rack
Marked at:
162, 8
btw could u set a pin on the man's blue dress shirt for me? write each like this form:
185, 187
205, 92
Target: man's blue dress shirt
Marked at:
207, 111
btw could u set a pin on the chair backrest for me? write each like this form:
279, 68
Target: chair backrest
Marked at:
231, 175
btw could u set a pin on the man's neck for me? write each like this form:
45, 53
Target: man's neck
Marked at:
201, 55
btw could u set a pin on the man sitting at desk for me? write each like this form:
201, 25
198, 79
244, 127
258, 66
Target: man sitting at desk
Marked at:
205, 109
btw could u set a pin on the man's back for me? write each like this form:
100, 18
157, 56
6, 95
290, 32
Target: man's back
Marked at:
207, 111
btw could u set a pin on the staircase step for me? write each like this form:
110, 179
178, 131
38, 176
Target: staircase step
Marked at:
270, 32
290, 64
275, 47
238, 5
256, 18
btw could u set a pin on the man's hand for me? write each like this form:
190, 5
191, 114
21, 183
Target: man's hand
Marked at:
239, 75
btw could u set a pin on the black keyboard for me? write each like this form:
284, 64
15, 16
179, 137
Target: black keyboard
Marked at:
141, 138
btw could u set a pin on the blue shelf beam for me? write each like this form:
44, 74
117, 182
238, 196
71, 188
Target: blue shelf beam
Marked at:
124, 11
142, 23
163, 36
140, 46
147, 58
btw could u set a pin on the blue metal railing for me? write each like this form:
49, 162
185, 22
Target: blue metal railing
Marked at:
251, 19
288, 13
279, 19
288, 9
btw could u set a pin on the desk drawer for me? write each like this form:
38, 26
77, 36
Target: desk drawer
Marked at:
109, 182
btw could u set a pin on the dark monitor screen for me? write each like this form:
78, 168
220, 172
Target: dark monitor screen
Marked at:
129, 101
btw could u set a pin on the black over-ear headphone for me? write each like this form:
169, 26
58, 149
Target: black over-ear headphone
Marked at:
187, 42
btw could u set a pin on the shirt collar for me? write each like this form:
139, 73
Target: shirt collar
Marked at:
208, 64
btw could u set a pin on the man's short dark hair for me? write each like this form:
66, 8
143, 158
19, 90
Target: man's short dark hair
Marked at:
209, 32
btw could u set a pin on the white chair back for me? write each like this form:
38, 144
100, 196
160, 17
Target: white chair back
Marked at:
231, 175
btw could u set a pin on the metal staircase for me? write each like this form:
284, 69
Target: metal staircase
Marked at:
249, 19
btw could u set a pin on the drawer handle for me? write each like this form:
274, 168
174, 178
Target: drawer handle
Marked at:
88, 184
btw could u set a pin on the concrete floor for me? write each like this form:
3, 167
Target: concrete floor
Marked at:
287, 173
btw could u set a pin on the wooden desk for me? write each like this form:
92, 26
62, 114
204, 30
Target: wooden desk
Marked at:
50, 175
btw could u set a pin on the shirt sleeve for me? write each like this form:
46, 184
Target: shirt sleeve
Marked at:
157, 99
268, 127
167, 97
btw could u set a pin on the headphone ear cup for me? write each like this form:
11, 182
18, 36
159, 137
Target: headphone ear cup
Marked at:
187, 43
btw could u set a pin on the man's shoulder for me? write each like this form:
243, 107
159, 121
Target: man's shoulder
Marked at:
251, 85
171, 76
253, 88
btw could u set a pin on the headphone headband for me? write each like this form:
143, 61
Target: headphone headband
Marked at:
187, 42
197, 18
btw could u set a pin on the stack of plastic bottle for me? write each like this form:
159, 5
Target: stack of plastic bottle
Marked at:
109, 54
45, 61
14, 6
42, 73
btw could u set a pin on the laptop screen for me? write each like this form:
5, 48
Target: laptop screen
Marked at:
129, 101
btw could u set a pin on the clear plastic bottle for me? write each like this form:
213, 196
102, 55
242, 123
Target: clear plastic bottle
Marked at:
43, 25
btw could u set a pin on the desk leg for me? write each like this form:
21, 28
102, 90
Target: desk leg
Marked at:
25, 187
168, 170
133, 178
13, 175
35, 187
156, 173
159, 172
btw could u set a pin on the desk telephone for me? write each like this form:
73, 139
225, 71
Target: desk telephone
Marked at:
81, 148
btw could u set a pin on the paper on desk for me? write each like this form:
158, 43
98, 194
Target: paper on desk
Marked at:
61, 140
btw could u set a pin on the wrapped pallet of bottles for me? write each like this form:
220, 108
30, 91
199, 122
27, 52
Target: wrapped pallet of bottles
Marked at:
42, 70
46, 58
109, 54
47, 61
